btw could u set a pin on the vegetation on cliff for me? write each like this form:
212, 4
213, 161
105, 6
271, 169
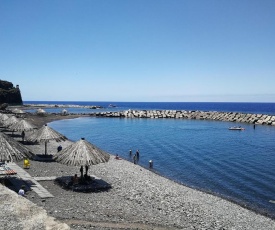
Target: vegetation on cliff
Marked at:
10, 94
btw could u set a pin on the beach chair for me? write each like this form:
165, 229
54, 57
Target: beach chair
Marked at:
27, 164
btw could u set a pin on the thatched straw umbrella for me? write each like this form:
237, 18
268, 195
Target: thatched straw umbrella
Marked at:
64, 112
18, 112
11, 150
10, 121
15, 110
82, 153
40, 112
3, 117
22, 126
45, 134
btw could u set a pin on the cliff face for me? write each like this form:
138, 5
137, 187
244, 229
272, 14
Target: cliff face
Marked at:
10, 94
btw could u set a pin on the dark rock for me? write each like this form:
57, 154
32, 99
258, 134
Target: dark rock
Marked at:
10, 94
4, 106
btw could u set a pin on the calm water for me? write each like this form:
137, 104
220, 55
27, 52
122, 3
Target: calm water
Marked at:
237, 165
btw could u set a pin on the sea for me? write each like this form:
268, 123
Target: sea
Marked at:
202, 154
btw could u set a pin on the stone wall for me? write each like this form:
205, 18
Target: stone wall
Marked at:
262, 119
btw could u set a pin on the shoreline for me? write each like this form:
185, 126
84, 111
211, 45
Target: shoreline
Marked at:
234, 201
53, 117
138, 196
140, 192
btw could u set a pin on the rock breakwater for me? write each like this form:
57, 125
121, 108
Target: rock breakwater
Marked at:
262, 119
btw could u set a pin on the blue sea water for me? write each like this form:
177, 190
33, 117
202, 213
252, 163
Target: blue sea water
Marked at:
236, 165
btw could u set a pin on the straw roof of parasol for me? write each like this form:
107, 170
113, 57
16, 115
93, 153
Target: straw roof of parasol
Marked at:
3, 117
22, 125
45, 134
18, 111
11, 150
64, 112
11, 120
82, 153
40, 111
15, 110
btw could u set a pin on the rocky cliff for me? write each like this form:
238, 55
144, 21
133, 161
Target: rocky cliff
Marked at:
10, 94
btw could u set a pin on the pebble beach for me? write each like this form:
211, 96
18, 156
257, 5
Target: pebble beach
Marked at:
138, 198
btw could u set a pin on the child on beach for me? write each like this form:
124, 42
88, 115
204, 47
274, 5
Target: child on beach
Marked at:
75, 179
21, 191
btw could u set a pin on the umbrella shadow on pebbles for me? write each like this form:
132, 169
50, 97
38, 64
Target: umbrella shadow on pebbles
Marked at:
15, 183
22, 127
82, 154
90, 185
44, 135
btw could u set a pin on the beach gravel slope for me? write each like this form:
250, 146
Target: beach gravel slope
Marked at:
139, 197
18, 213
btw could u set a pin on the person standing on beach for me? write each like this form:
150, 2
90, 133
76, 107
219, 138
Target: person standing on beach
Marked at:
23, 135
86, 170
135, 158
130, 152
59, 148
81, 172
137, 153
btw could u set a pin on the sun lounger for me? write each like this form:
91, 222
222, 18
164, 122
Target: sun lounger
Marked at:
5, 170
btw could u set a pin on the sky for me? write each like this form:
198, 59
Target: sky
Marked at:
140, 51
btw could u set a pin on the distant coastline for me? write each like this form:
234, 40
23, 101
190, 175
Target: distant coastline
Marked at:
240, 107
178, 113
28, 106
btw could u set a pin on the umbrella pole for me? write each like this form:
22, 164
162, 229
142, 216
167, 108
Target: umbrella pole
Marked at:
81, 172
45, 147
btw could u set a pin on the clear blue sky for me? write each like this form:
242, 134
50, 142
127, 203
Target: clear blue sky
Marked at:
143, 50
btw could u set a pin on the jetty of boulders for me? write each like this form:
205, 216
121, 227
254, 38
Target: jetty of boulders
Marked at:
262, 119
